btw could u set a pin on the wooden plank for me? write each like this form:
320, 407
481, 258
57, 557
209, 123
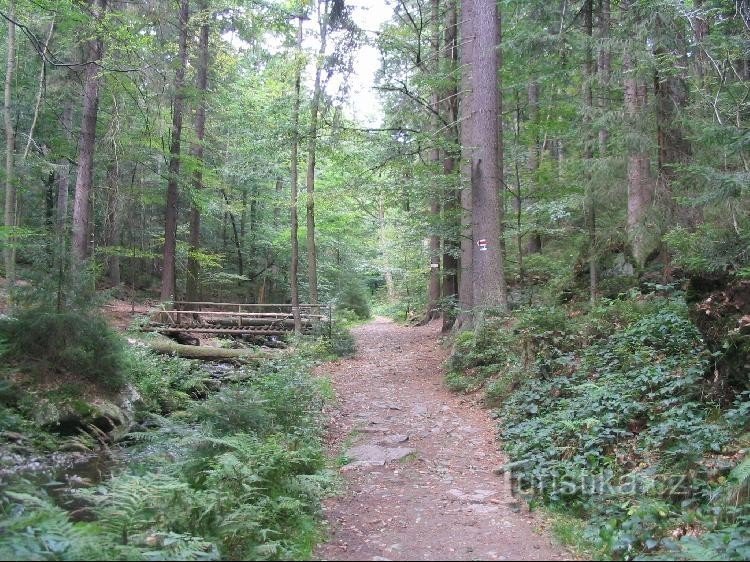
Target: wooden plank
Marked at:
182, 303
280, 315
204, 330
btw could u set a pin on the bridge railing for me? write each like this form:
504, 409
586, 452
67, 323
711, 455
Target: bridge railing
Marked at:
223, 317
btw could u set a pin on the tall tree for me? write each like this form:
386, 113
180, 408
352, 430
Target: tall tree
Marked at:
87, 140
588, 148
312, 143
433, 293
640, 185
467, 41
10, 215
201, 82
450, 205
294, 266
488, 279
168, 277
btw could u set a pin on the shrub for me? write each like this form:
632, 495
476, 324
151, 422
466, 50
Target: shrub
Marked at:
609, 415
67, 342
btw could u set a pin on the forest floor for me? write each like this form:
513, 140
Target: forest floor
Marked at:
419, 483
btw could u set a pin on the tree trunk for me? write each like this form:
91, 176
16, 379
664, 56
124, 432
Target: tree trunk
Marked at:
293, 269
114, 222
603, 70
193, 273
486, 160
433, 293
640, 186
671, 97
312, 257
450, 206
588, 151
9, 218
168, 277
534, 244
271, 258
63, 174
86, 144
467, 42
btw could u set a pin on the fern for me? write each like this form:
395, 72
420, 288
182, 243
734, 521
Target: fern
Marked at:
739, 482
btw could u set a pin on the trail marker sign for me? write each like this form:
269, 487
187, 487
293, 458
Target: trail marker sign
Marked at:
482, 243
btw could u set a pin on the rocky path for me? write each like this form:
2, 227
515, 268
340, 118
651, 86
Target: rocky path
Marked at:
419, 483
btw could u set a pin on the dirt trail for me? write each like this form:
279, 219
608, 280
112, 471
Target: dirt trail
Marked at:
420, 485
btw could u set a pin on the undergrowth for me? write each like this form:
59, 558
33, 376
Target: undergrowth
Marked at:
611, 416
239, 475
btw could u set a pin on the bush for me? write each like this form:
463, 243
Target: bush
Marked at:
67, 342
609, 415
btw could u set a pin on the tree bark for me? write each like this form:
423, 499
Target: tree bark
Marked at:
450, 205
467, 42
603, 71
640, 186
294, 267
87, 142
588, 151
10, 215
433, 293
168, 277
534, 244
193, 273
674, 148
312, 257
63, 174
486, 160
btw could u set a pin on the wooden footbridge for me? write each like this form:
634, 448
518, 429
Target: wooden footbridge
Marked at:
236, 318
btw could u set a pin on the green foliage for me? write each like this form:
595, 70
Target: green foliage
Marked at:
354, 297
608, 415
165, 383
710, 249
65, 342
239, 476
35, 529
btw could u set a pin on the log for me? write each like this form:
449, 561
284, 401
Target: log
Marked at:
168, 347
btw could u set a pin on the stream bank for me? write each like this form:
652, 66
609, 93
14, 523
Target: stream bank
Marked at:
212, 461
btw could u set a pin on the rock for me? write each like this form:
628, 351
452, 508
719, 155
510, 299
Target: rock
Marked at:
71, 416
377, 455
419, 410
393, 440
479, 496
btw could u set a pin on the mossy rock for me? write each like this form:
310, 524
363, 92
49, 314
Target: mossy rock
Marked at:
71, 416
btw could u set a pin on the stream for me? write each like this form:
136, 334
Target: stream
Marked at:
62, 472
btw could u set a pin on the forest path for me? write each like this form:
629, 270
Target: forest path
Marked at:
420, 485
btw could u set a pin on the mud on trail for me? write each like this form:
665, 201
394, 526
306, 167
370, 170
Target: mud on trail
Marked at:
419, 483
